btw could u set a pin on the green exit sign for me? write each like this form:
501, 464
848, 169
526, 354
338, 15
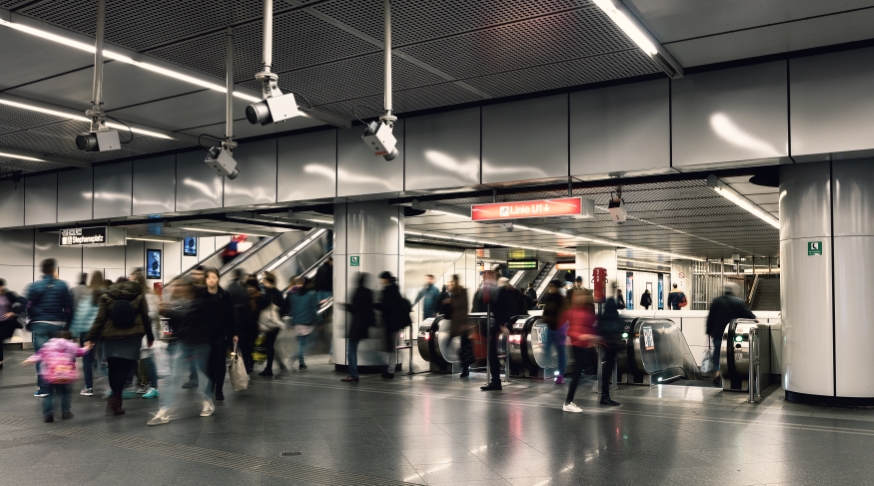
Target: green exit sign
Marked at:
354, 261
814, 248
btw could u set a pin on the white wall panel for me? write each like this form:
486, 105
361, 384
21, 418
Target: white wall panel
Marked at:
443, 150
854, 314
172, 260
256, 183
624, 128
11, 204
525, 140
197, 186
730, 115
104, 257
307, 166
135, 256
47, 245
18, 277
113, 189
41, 199
17, 247
154, 186
359, 172
75, 195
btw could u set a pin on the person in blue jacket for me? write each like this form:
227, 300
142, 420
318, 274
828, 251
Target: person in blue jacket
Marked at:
303, 307
430, 294
49, 306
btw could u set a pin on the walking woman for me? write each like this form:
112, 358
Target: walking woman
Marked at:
248, 327
219, 315
83, 318
121, 323
581, 321
303, 306
274, 295
459, 322
149, 378
363, 319
10, 306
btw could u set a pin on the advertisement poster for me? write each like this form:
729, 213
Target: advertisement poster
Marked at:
629, 290
189, 246
661, 291
153, 264
648, 342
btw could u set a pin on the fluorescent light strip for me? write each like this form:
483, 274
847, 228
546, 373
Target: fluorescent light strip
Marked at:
152, 239
21, 157
125, 59
628, 26
188, 228
742, 201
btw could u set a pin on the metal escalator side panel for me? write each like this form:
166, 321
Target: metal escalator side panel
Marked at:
446, 347
254, 260
663, 347
214, 260
424, 340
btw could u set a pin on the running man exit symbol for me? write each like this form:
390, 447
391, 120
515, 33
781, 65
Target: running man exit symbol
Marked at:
354, 261
814, 248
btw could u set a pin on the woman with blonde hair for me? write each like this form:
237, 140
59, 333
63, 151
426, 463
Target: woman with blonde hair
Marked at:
83, 318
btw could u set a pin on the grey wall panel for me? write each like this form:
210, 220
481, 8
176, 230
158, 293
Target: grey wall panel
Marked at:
832, 109
135, 256
730, 115
525, 140
197, 186
47, 245
17, 247
41, 199
155, 185
443, 150
256, 183
172, 260
307, 167
854, 198
854, 267
806, 303
103, 257
12, 204
18, 277
75, 195
622, 128
113, 189
360, 172
805, 202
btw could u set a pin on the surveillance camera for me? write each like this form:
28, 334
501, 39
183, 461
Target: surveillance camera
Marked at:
379, 138
98, 141
618, 210
221, 159
273, 109
507, 226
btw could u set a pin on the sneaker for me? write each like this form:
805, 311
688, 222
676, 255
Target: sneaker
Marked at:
143, 389
190, 384
151, 393
67, 416
160, 418
571, 407
87, 392
491, 386
40, 394
302, 367
208, 408
388, 376
559, 380
606, 400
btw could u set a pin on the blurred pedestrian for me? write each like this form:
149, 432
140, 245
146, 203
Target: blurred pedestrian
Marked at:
49, 307
58, 360
676, 298
581, 319
303, 307
248, 328
646, 299
428, 295
531, 294
188, 348
121, 323
83, 319
557, 327
610, 329
508, 304
395, 317
10, 307
219, 316
723, 310
459, 323
239, 295
149, 375
274, 295
325, 281
363, 319
80, 291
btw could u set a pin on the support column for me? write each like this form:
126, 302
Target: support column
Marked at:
827, 254
369, 238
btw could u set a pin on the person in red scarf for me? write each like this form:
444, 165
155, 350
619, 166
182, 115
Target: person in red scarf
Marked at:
581, 320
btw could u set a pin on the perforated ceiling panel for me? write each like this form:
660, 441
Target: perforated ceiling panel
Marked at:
680, 217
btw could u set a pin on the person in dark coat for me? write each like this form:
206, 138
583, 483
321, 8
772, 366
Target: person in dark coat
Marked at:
556, 334
646, 299
10, 307
723, 310
363, 319
531, 295
395, 317
247, 329
508, 304
610, 328
459, 322
219, 314
274, 295
325, 280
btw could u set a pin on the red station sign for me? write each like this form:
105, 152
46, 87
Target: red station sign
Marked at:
541, 208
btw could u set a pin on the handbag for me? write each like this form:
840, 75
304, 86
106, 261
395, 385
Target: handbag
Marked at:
707, 361
269, 319
237, 371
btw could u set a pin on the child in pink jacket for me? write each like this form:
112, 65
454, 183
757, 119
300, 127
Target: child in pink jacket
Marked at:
58, 370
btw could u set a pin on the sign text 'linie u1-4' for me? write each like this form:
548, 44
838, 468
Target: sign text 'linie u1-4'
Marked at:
541, 208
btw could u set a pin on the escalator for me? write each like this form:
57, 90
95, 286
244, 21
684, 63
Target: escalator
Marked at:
215, 260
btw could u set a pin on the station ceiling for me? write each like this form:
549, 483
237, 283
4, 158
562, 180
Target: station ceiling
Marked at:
447, 52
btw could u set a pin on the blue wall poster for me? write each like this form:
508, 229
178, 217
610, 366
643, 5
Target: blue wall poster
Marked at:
153, 264
189, 246
661, 291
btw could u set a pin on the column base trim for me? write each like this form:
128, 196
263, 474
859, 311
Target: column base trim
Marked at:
369, 369
826, 401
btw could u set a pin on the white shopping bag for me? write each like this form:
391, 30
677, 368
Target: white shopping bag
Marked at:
237, 371
707, 361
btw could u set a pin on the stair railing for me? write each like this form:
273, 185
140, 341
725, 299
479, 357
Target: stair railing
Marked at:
753, 291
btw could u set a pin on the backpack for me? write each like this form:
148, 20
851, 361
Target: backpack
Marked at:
683, 301
123, 314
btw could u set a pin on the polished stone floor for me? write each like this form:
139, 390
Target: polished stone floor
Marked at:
434, 429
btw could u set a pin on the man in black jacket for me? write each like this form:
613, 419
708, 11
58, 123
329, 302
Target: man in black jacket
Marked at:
325, 280
395, 317
508, 304
610, 328
722, 311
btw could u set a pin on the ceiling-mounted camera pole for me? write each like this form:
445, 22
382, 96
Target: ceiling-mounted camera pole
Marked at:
275, 106
386, 10
229, 80
96, 112
267, 77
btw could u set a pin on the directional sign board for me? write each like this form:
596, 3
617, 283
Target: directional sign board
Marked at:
540, 208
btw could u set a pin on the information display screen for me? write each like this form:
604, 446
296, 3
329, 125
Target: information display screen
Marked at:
189, 246
522, 264
153, 264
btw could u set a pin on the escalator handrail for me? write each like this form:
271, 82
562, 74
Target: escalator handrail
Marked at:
192, 267
315, 267
236, 262
295, 249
